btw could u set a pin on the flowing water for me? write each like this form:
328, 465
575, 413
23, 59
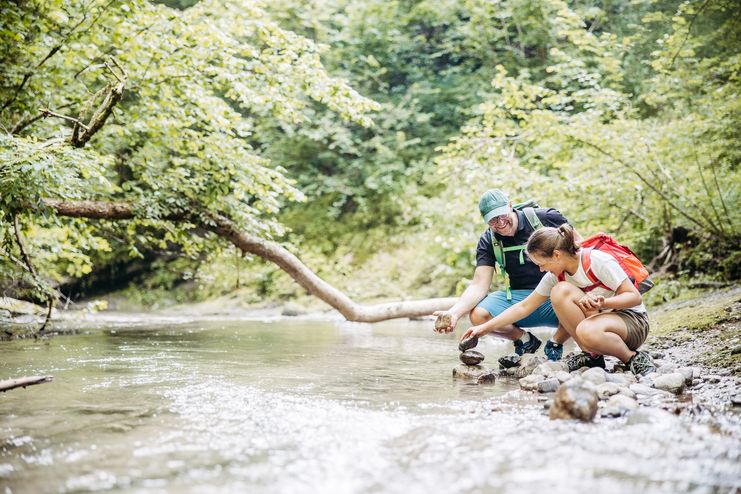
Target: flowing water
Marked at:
293, 406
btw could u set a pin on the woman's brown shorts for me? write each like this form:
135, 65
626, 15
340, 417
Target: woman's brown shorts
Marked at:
637, 324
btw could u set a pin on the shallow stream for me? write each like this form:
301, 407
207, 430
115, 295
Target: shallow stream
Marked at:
293, 406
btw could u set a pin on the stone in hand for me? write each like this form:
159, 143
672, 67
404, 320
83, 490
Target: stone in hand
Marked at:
468, 343
472, 357
442, 322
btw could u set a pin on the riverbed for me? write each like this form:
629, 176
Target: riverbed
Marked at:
290, 406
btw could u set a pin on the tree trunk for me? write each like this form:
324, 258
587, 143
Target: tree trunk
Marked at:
269, 251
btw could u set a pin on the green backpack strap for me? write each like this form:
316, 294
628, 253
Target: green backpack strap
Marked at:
532, 218
499, 249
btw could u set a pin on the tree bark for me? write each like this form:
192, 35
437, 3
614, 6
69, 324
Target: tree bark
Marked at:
270, 251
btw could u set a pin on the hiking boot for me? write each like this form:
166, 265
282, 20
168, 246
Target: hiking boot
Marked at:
529, 347
641, 363
585, 359
553, 350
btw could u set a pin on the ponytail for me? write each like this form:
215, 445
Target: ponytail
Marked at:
547, 239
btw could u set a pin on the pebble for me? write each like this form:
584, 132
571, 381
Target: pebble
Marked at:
674, 382
618, 405
646, 415
467, 344
605, 390
562, 376
595, 375
509, 361
548, 386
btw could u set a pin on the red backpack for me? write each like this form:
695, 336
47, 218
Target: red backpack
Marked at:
626, 258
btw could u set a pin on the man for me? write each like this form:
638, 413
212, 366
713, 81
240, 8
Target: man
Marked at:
503, 243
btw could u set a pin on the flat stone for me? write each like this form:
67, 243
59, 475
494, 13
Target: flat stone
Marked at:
549, 385
467, 344
472, 357
674, 382
667, 368
642, 389
621, 379
470, 372
574, 400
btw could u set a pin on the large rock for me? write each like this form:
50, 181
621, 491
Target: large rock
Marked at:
674, 382
530, 383
471, 372
472, 357
574, 399
622, 378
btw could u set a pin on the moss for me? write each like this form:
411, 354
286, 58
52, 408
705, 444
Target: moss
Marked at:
703, 311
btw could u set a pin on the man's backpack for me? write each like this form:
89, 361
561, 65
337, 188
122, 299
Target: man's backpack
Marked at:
626, 258
528, 209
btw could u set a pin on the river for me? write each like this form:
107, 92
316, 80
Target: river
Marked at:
292, 406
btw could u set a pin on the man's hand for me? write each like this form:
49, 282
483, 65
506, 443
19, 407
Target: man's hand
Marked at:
445, 322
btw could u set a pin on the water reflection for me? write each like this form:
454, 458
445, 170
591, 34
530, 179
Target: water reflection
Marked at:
315, 407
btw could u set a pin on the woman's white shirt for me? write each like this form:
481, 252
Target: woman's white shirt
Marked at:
603, 266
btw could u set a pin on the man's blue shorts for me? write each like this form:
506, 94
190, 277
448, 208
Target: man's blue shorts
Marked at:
496, 303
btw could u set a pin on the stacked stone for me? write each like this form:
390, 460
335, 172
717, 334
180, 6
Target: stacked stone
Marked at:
471, 367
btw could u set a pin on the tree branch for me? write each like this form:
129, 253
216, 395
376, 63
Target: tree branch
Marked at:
22, 382
270, 251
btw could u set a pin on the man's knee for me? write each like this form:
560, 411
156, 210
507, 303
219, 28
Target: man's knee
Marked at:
479, 315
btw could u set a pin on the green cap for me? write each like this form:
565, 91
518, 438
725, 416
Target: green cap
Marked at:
493, 203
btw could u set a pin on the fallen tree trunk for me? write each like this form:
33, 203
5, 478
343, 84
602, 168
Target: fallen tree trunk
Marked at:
22, 382
270, 251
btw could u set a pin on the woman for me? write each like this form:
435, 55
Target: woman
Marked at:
607, 318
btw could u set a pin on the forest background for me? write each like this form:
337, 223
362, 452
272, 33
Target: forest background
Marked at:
358, 135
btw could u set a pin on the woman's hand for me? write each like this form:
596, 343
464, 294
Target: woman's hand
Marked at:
476, 331
591, 304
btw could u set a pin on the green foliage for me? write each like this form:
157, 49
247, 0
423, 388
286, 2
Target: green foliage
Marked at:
184, 139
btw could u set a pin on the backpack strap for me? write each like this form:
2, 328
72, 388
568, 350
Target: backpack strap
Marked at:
532, 218
586, 262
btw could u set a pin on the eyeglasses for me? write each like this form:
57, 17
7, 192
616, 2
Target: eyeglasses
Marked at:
499, 220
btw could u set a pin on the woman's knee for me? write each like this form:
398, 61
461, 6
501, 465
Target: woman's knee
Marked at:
564, 291
479, 315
